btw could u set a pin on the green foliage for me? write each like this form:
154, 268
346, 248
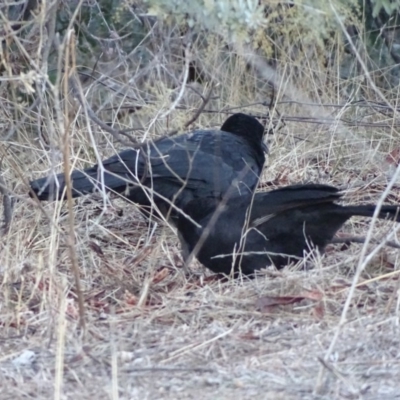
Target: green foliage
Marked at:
390, 6
231, 17
97, 24
310, 21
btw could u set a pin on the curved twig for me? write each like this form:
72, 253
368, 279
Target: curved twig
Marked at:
114, 132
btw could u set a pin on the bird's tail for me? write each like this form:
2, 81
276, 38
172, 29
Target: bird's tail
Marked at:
83, 182
367, 210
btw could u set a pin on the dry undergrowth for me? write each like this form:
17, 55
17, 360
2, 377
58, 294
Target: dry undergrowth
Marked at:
154, 330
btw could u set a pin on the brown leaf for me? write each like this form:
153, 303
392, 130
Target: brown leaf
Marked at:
71, 310
99, 305
394, 157
96, 248
319, 310
161, 275
44, 285
138, 258
312, 295
130, 299
271, 301
338, 285
249, 336
266, 303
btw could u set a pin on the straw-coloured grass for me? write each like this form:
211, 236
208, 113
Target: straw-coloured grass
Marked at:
154, 330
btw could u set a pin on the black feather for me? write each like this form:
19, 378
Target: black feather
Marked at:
203, 163
270, 228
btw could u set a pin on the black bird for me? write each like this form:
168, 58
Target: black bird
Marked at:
198, 164
274, 227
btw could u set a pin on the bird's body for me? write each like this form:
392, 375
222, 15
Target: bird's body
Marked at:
199, 164
268, 228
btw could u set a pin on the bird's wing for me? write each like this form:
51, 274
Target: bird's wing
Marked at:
200, 157
205, 161
266, 205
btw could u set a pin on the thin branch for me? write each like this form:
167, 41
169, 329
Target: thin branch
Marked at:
21, 121
7, 205
205, 101
387, 39
91, 114
183, 87
70, 58
298, 119
361, 239
201, 108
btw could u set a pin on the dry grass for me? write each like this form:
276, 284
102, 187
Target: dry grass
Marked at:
155, 331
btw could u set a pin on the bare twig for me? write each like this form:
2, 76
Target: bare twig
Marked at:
70, 57
387, 39
361, 62
205, 101
79, 95
48, 18
184, 82
361, 239
337, 374
7, 204
287, 118
21, 121
169, 369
